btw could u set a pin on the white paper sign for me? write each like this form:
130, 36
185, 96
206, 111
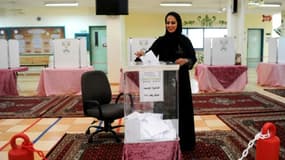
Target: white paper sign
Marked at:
151, 86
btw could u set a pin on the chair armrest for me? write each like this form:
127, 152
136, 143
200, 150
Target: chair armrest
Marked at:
131, 98
118, 97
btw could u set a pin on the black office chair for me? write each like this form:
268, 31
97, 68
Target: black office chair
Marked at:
96, 98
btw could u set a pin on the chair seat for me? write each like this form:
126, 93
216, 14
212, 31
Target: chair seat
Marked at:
109, 111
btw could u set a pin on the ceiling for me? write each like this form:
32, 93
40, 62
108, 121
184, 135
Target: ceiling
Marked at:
145, 6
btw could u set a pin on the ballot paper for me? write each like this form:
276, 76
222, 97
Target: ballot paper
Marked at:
148, 127
150, 59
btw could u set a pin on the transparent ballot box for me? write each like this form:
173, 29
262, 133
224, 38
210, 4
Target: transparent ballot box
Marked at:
151, 112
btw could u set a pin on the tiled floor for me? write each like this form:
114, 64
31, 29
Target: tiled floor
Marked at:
45, 132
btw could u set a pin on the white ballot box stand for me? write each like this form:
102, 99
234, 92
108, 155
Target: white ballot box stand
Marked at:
153, 117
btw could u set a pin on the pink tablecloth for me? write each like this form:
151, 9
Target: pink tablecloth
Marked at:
8, 81
231, 78
60, 81
271, 74
168, 150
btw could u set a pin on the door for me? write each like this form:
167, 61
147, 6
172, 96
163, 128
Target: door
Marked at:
254, 47
98, 47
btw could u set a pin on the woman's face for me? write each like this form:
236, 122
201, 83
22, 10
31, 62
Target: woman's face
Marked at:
171, 24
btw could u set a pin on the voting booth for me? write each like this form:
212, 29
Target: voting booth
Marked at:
152, 114
276, 50
219, 51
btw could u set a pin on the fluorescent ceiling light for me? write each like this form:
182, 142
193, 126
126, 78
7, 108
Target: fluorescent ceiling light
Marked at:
261, 3
175, 4
253, 3
61, 4
270, 5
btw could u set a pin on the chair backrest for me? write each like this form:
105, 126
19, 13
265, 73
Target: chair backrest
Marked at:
95, 86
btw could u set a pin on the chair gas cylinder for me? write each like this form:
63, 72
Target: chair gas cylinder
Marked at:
268, 148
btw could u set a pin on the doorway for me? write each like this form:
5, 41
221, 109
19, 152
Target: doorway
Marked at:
98, 47
254, 47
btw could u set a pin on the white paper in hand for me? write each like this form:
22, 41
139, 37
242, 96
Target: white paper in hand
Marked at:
150, 59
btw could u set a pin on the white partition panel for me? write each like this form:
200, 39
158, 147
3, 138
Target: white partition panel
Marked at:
223, 51
3, 54
66, 53
84, 55
281, 50
14, 53
219, 51
208, 51
136, 44
276, 50
272, 50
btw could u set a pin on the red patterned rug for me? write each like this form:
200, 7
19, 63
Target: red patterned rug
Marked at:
218, 145
204, 104
248, 125
26, 107
279, 92
229, 103
71, 106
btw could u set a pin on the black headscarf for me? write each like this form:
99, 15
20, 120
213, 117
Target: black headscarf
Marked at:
179, 23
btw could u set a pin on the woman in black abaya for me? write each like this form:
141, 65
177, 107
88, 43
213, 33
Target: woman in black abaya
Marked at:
176, 48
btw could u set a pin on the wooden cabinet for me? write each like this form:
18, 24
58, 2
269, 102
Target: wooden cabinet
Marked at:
34, 60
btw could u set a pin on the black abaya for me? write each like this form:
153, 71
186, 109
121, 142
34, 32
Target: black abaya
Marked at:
169, 48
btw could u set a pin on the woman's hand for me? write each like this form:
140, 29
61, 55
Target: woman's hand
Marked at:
181, 61
139, 53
